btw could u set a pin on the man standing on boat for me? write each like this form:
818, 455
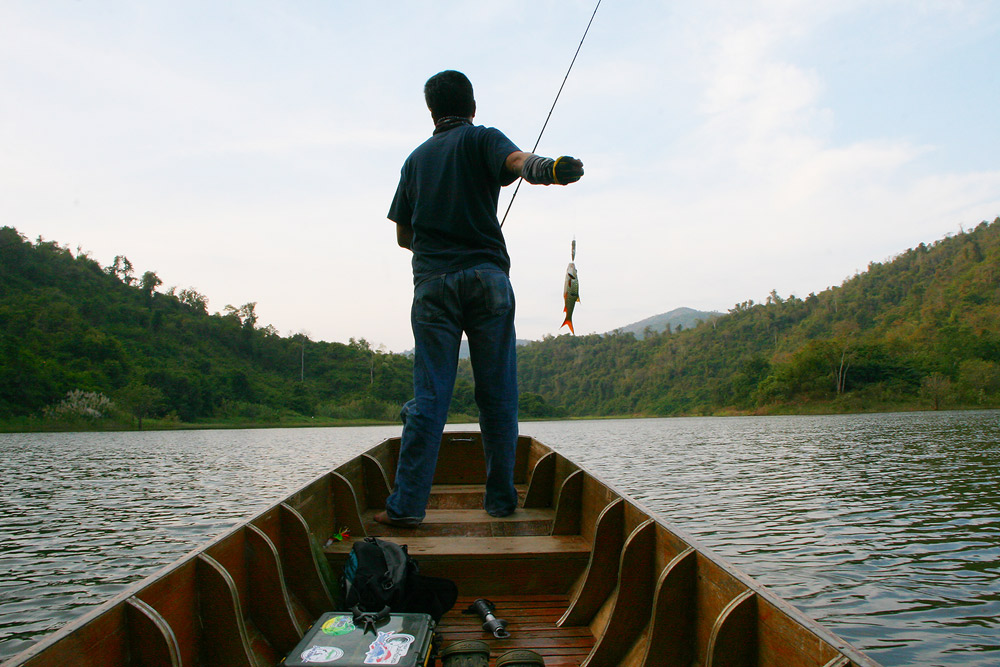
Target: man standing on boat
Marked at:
445, 213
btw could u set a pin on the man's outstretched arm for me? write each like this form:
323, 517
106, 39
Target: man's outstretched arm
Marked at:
544, 170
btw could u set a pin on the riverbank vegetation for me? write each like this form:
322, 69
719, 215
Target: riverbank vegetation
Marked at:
85, 346
919, 331
71, 328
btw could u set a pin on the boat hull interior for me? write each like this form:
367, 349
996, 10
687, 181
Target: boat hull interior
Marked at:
582, 574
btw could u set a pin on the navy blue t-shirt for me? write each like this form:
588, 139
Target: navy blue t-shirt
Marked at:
448, 193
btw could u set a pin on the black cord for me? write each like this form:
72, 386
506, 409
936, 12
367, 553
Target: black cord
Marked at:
552, 108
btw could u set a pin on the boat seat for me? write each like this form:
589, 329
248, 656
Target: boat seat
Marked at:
463, 496
484, 555
483, 566
469, 522
462, 548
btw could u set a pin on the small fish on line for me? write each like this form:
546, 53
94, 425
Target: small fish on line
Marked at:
571, 291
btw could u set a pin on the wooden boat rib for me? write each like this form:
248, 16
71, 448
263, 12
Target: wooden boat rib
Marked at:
583, 574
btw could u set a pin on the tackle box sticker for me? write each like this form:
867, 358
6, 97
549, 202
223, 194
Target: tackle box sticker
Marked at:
322, 654
388, 648
338, 625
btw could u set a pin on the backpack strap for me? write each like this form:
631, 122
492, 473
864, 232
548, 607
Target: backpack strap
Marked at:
368, 619
397, 563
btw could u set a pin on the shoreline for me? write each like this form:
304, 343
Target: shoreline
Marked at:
36, 425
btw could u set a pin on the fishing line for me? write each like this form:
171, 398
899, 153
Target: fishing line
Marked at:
552, 108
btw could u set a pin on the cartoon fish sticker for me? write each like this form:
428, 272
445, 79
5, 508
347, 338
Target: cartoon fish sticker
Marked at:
571, 295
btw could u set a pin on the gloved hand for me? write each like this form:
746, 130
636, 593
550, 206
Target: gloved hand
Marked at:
546, 171
567, 170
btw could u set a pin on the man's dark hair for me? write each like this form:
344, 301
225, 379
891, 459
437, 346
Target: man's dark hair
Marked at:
449, 93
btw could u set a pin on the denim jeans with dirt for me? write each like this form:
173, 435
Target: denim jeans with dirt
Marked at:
479, 301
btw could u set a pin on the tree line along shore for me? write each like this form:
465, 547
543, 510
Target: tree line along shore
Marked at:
85, 346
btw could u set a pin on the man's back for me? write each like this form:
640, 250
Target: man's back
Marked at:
448, 193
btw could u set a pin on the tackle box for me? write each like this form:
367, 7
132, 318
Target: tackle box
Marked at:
400, 639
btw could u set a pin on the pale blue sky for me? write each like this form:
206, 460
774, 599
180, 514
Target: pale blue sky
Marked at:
250, 149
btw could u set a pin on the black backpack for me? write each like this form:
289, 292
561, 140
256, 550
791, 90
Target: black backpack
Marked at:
377, 575
380, 577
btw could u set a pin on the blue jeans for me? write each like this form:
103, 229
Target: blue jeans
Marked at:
479, 301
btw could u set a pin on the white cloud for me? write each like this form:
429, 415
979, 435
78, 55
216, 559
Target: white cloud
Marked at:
251, 152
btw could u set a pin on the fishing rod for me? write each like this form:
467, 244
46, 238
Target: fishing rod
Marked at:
552, 108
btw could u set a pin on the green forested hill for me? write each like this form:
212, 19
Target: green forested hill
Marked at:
69, 325
920, 330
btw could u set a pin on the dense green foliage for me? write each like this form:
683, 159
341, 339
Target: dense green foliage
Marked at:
80, 342
920, 330
69, 325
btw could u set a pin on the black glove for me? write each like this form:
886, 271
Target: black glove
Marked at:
567, 170
546, 171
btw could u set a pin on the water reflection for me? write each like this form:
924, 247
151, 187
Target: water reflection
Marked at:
884, 527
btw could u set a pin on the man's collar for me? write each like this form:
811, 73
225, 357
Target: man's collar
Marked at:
446, 123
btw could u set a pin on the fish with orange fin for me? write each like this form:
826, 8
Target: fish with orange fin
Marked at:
571, 291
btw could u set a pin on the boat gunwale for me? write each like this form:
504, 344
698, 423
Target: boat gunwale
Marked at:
703, 550
137, 587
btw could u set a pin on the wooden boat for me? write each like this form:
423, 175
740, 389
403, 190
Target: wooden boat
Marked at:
583, 574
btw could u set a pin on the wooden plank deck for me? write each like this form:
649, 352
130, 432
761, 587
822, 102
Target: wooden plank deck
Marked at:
531, 623
466, 523
515, 562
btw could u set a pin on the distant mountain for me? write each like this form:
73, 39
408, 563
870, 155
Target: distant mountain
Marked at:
685, 317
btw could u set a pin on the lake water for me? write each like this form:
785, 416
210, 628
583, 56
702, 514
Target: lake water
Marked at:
886, 528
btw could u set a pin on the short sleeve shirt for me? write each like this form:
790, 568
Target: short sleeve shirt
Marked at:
448, 192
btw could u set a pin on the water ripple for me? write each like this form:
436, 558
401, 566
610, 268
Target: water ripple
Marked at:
886, 528
83, 516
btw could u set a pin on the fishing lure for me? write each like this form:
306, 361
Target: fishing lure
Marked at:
340, 535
